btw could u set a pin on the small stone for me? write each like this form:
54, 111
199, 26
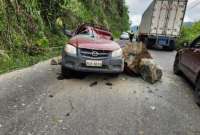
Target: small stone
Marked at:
141, 132
40, 109
153, 108
20, 86
123, 79
29, 133
64, 128
60, 121
23, 104
150, 91
0, 126
51, 96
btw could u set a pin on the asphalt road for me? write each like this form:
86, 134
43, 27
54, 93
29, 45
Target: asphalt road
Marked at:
36, 101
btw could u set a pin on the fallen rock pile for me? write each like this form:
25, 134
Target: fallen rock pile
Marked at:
138, 61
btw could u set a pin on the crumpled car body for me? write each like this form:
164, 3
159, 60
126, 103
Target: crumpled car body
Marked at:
92, 49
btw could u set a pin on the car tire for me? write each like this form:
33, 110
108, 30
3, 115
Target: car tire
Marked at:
66, 72
197, 92
170, 49
171, 46
177, 71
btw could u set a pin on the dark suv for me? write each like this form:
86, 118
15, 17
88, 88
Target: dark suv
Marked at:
92, 49
188, 62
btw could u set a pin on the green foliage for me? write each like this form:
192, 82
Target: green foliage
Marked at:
43, 42
188, 34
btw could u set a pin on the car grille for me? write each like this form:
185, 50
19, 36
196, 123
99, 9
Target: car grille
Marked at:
94, 54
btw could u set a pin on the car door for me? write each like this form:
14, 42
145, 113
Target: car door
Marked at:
196, 59
190, 60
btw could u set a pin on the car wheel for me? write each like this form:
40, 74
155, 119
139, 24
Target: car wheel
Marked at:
177, 71
66, 72
197, 92
171, 46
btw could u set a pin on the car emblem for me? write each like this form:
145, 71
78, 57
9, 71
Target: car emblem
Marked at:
95, 53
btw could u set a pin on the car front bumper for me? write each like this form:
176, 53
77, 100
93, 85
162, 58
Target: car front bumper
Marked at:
109, 65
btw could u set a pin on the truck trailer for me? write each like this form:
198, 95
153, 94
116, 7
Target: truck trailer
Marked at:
161, 23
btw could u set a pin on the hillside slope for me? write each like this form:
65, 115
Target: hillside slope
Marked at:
28, 28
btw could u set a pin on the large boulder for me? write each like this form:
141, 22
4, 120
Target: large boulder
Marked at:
133, 53
138, 61
150, 71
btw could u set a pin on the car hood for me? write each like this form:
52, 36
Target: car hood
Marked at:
87, 42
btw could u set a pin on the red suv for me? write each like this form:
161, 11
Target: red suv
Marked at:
188, 62
91, 49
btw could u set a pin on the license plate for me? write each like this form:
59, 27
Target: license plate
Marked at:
94, 63
162, 42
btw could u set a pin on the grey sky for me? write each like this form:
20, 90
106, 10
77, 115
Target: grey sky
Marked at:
137, 7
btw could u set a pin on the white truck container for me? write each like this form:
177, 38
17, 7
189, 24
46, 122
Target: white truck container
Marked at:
161, 23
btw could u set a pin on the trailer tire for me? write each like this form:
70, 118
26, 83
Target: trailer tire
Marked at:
149, 43
171, 46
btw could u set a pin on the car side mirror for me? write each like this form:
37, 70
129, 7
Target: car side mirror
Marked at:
67, 32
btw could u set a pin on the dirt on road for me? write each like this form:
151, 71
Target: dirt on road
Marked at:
36, 101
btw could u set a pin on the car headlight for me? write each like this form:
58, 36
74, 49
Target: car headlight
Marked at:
69, 49
117, 53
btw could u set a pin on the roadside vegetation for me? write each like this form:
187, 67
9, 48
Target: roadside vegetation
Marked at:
188, 34
31, 31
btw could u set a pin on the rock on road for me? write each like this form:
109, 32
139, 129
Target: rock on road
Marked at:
35, 101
